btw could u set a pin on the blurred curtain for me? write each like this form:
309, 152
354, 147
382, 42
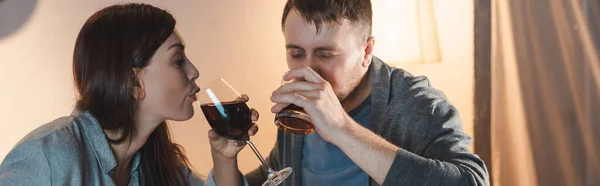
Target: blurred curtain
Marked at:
545, 92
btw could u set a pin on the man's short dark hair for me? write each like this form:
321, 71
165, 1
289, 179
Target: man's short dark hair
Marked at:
358, 12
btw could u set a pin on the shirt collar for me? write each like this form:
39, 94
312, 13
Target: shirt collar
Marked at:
96, 140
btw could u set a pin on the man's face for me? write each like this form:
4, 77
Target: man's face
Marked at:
336, 53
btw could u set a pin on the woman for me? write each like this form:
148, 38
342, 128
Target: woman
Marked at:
131, 75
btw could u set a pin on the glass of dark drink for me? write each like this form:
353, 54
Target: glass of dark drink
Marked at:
230, 117
293, 118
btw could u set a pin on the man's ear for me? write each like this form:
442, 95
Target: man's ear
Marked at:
368, 51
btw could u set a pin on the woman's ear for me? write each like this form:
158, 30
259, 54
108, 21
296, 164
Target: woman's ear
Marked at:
139, 91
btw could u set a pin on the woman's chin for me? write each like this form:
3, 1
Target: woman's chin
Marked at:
184, 116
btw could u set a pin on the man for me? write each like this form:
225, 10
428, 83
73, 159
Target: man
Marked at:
375, 124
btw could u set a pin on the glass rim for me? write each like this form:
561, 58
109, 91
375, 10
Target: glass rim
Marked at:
216, 81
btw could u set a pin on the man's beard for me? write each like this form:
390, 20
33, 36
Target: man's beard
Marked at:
350, 87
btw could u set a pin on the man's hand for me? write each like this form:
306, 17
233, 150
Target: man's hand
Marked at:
316, 96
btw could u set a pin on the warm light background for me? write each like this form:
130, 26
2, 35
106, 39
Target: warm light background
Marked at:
238, 40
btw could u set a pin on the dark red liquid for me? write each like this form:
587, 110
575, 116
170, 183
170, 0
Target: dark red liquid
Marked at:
230, 119
293, 124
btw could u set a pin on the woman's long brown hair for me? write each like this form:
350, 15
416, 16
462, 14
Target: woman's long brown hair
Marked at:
113, 42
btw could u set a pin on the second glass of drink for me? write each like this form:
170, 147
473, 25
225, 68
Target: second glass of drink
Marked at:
293, 119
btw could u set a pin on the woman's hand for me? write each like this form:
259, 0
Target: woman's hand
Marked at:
224, 152
227, 149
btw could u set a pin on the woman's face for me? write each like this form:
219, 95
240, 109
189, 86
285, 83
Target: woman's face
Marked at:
168, 82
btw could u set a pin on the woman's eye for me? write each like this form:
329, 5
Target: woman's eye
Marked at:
179, 60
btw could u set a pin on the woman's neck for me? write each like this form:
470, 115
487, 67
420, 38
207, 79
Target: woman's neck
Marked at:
125, 151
